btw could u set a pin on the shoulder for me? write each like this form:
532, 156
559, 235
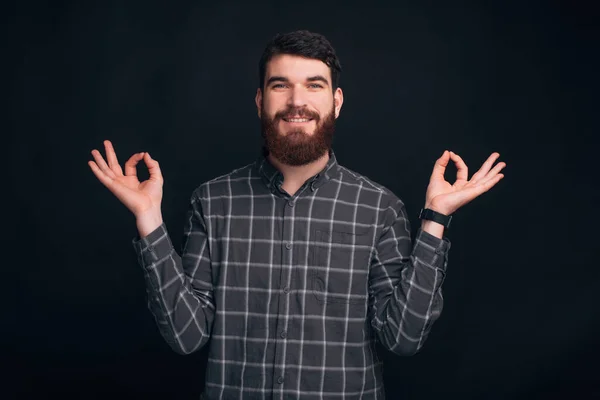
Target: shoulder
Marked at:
224, 184
387, 196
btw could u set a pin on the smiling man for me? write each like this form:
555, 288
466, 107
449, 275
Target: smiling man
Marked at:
298, 109
293, 266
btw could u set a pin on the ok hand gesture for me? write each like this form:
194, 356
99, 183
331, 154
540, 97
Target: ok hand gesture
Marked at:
446, 198
139, 197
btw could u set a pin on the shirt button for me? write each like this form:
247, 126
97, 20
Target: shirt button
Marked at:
439, 251
288, 245
291, 203
150, 248
283, 334
286, 290
280, 379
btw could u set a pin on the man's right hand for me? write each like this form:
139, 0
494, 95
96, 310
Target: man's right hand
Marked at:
143, 199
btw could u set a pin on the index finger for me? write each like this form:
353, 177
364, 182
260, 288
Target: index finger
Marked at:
130, 165
440, 166
462, 171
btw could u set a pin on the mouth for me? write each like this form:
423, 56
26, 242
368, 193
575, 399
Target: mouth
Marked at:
297, 120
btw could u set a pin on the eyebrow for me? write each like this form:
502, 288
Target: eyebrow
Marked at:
315, 78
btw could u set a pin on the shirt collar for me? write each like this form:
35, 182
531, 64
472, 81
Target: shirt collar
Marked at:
273, 178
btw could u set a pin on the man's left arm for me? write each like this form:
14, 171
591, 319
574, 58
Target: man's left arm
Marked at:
405, 280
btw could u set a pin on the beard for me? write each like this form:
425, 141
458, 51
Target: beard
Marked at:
297, 147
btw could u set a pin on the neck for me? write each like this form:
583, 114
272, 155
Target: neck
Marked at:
299, 174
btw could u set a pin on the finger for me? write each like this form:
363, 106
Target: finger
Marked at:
467, 194
462, 172
130, 165
440, 166
153, 168
485, 167
111, 157
487, 184
492, 174
497, 168
478, 189
120, 191
102, 164
101, 175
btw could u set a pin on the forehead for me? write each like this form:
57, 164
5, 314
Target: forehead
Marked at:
296, 68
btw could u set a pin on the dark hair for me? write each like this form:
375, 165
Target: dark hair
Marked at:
305, 44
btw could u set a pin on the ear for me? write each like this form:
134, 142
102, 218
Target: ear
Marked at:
338, 100
258, 101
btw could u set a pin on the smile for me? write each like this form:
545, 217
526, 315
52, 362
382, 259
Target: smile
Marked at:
297, 120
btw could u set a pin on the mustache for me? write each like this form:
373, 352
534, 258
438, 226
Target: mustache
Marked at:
291, 112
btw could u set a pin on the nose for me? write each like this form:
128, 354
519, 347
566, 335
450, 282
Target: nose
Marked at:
297, 97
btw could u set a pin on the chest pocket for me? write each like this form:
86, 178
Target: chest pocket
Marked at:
340, 266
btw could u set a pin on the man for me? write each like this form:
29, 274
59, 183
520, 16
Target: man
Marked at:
294, 265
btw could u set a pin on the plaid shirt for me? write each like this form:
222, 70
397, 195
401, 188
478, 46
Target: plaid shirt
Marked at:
293, 291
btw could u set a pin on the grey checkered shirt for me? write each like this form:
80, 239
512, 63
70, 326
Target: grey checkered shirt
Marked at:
292, 292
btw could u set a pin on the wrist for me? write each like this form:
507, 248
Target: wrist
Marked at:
148, 222
429, 214
433, 228
438, 208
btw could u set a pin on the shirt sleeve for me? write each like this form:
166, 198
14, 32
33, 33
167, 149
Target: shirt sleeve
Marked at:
179, 288
405, 283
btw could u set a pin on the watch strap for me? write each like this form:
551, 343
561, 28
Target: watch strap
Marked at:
429, 214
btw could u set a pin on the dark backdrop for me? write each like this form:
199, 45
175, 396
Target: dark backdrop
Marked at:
178, 80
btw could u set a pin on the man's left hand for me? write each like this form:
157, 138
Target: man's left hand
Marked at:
446, 198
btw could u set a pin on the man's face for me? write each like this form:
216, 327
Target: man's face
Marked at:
298, 109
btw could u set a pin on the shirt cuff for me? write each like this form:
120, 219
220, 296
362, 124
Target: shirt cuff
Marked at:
153, 247
431, 249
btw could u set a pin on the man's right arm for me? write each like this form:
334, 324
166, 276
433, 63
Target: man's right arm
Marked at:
180, 293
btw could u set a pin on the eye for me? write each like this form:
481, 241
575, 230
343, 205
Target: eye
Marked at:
278, 85
315, 86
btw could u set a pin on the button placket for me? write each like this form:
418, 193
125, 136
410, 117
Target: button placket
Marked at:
284, 282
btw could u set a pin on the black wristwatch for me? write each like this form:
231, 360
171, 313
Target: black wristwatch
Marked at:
429, 214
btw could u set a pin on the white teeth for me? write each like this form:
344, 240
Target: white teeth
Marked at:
298, 120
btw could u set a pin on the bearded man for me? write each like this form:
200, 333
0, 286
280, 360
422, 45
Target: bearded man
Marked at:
293, 266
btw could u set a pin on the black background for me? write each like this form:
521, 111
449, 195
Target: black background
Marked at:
178, 80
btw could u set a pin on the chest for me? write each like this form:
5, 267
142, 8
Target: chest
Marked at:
317, 247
